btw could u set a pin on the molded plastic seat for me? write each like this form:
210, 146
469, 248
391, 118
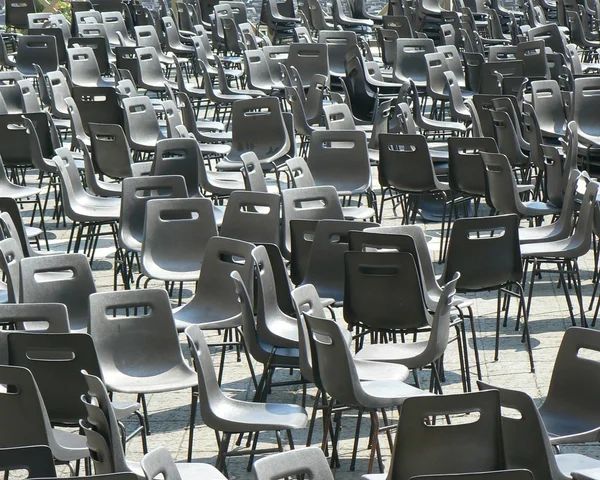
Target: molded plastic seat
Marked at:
229, 416
84, 69
307, 461
160, 463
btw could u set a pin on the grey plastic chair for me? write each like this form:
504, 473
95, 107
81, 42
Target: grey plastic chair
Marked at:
65, 278
252, 217
527, 429
26, 422
141, 125
442, 442
310, 462
160, 463
229, 416
189, 223
97, 186
340, 380
565, 253
147, 330
111, 153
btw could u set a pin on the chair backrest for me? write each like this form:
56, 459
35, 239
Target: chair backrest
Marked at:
524, 428
10, 261
215, 290
300, 173
98, 105
141, 124
383, 290
9, 89
310, 462
24, 418
58, 375
38, 49
145, 334
252, 217
37, 460
64, 278
325, 267
114, 23
341, 159
159, 462
179, 156
442, 442
466, 172
501, 183
405, 163
29, 96
585, 102
38, 317
110, 151
311, 203
338, 44
410, 59
258, 125
188, 222
254, 177
83, 66
136, 193
485, 250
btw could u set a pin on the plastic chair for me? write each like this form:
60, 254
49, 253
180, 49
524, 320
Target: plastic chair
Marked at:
36, 460
497, 475
96, 105
259, 126
149, 328
547, 102
190, 223
503, 193
528, 429
410, 60
150, 71
26, 422
213, 306
17, 12
310, 462
10, 258
565, 252
399, 154
342, 382
442, 442
230, 416
59, 378
114, 23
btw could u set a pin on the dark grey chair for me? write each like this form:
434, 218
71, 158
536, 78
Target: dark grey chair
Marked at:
142, 371
229, 416
527, 428
442, 442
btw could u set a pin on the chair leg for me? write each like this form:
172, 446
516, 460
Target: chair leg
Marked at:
375, 443
193, 410
356, 437
526, 335
223, 449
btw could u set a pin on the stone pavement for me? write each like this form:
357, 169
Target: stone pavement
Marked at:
169, 412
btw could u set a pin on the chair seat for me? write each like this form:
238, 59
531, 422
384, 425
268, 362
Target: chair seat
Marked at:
402, 353
150, 381
237, 416
565, 248
206, 316
69, 446
568, 427
212, 127
358, 213
216, 137
376, 371
214, 149
539, 234
588, 468
17, 191
33, 232
535, 208
124, 409
384, 393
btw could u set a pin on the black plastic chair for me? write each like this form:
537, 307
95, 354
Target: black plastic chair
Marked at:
486, 252
36, 460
